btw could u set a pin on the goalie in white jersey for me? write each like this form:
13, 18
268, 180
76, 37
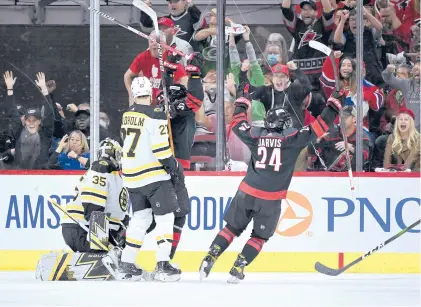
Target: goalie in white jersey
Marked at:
99, 190
147, 166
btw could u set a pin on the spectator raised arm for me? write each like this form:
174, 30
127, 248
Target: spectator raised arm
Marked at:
253, 71
33, 142
409, 87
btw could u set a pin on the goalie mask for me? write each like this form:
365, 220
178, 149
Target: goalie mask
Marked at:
278, 119
111, 151
141, 87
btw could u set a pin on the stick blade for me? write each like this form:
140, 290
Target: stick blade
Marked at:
146, 8
319, 46
321, 268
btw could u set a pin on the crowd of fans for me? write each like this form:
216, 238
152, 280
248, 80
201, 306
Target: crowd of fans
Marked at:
295, 76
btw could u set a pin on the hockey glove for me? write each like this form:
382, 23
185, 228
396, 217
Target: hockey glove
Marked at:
177, 106
336, 101
242, 102
195, 64
178, 173
160, 98
177, 91
171, 62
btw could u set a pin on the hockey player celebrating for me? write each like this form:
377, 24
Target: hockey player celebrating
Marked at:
100, 190
147, 166
267, 180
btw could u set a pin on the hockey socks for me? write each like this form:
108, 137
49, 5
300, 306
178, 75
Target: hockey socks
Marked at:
223, 239
177, 229
252, 249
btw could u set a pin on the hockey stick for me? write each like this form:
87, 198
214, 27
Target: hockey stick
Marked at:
141, 34
321, 268
152, 14
55, 204
329, 52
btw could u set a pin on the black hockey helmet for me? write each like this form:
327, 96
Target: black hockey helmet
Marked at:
110, 150
177, 92
278, 119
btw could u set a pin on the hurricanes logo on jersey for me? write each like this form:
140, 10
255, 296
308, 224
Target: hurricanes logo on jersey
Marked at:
178, 32
124, 199
308, 36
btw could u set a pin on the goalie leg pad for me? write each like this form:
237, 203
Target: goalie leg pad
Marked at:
164, 236
72, 267
135, 234
99, 231
75, 237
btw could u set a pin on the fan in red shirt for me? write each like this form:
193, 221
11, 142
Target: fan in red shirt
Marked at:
147, 64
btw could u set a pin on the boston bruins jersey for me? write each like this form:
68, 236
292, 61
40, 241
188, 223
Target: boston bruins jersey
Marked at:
100, 189
144, 132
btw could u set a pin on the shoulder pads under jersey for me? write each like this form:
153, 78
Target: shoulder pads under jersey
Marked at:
256, 131
152, 112
101, 166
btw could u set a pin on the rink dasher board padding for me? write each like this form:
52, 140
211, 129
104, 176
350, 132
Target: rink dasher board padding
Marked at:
320, 221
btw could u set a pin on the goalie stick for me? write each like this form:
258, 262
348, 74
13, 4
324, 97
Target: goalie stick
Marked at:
321, 268
152, 14
141, 34
329, 52
110, 246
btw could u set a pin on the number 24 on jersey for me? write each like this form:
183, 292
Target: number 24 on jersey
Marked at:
274, 159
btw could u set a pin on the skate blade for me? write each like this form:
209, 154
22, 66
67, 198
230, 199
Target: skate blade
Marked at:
108, 262
166, 278
202, 272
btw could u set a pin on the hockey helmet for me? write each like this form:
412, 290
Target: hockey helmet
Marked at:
177, 92
110, 150
278, 119
141, 86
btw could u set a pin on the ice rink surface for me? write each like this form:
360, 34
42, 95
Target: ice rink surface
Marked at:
258, 289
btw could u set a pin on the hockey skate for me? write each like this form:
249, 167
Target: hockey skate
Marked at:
209, 261
237, 271
165, 272
124, 271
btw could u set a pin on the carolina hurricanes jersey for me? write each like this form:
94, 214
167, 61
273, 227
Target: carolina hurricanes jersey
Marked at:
273, 155
144, 131
100, 189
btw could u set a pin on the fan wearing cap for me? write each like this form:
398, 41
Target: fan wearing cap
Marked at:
167, 26
331, 147
186, 16
306, 29
33, 140
403, 145
286, 93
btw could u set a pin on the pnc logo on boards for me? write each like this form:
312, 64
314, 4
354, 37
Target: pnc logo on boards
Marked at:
296, 215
